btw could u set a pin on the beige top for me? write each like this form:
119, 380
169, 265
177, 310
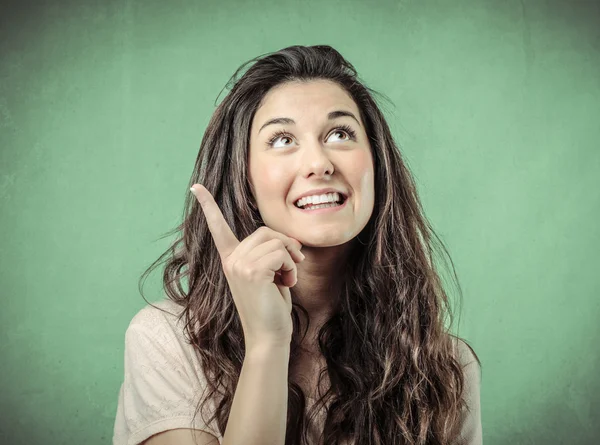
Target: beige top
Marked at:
163, 382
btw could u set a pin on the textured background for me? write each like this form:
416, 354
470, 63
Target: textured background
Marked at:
496, 106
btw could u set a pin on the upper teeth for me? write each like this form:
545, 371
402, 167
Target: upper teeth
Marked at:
318, 199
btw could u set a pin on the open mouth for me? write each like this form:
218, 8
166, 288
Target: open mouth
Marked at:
324, 205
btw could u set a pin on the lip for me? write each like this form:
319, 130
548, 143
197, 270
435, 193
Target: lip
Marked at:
323, 210
319, 192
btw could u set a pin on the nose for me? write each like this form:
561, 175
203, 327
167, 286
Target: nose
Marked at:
315, 160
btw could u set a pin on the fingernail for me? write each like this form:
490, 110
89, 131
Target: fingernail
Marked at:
302, 255
193, 191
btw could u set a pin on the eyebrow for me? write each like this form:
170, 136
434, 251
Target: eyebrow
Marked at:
331, 116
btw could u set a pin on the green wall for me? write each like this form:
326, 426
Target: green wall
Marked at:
103, 105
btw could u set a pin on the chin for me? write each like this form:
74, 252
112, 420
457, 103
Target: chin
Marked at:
324, 242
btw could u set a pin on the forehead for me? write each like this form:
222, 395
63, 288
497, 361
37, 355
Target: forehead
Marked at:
303, 101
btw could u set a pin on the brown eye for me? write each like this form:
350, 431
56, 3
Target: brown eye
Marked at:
340, 129
276, 136
340, 132
347, 130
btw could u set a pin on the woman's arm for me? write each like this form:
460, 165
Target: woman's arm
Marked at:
259, 412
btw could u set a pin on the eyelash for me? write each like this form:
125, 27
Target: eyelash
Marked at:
345, 128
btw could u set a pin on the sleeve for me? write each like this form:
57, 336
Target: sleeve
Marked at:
470, 429
158, 393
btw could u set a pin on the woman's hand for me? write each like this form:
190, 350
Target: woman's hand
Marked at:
259, 270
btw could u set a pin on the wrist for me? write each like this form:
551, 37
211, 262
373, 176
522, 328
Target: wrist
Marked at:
268, 348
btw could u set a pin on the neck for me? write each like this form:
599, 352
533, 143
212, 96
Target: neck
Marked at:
320, 280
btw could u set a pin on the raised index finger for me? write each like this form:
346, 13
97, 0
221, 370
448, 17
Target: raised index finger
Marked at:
225, 239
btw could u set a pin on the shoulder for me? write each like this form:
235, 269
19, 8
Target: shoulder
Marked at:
161, 314
160, 320
464, 352
158, 330
163, 378
468, 359
470, 428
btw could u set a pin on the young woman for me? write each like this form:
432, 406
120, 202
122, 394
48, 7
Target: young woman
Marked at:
313, 311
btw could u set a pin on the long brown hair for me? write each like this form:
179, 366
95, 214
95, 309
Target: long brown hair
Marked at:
392, 364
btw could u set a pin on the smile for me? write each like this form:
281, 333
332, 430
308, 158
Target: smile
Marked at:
330, 207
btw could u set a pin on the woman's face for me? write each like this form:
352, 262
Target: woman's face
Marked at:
313, 154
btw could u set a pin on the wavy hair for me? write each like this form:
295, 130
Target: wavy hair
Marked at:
391, 363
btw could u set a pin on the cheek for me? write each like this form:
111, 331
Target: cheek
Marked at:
270, 180
361, 168
360, 161
363, 173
